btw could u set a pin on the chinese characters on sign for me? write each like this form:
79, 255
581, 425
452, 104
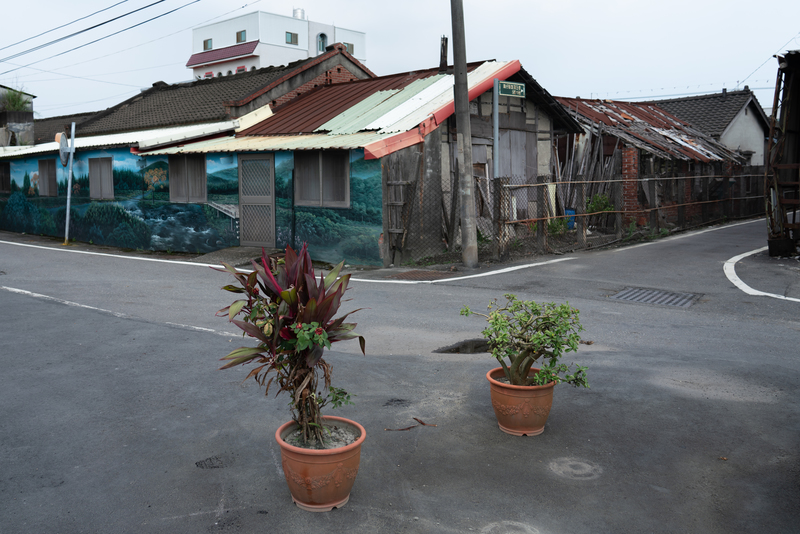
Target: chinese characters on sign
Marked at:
512, 89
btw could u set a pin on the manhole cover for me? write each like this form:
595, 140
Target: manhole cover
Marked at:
656, 296
420, 275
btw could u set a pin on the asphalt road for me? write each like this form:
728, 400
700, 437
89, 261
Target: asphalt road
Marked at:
115, 418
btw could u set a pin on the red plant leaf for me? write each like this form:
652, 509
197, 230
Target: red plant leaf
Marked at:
251, 330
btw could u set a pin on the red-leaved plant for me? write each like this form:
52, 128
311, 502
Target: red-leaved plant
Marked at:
290, 314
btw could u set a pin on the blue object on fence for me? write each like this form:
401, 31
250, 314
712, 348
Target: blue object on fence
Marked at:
571, 220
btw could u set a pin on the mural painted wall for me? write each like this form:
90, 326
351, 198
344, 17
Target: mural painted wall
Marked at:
141, 216
333, 234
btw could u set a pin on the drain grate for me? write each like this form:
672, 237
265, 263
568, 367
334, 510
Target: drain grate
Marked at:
421, 275
656, 296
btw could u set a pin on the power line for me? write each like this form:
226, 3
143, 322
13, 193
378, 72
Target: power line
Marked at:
102, 38
102, 74
63, 25
86, 102
148, 42
765, 61
649, 97
79, 77
54, 41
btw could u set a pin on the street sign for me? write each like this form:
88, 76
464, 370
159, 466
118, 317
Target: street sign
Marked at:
512, 89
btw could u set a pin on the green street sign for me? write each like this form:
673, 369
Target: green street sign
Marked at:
512, 89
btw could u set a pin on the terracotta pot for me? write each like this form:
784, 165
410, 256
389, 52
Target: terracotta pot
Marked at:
320, 480
520, 410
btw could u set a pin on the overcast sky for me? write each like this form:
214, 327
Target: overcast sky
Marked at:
616, 49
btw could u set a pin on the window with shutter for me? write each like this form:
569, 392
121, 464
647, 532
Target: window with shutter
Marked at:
187, 178
48, 186
322, 178
101, 178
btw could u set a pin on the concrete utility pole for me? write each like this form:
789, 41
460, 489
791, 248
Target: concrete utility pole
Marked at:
469, 236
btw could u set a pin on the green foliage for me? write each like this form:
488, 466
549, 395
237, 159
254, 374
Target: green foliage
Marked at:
13, 100
20, 215
105, 223
127, 180
599, 203
224, 182
361, 246
291, 315
521, 332
631, 229
47, 225
557, 226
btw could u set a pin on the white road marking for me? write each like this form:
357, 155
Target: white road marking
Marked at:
176, 262
684, 235
157, 260
730, 271
456, 279
115, 314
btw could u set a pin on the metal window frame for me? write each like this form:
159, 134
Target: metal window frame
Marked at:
292, 38
210, 43
241, 36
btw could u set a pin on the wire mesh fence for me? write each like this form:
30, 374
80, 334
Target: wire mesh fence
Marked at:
519, 215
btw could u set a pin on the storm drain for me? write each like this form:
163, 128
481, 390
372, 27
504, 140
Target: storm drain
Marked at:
656, 296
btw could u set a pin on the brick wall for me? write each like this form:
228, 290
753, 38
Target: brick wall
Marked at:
630, 184
338, 74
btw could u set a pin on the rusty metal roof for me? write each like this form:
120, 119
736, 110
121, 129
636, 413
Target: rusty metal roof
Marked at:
308, 112
648, 127
381, 115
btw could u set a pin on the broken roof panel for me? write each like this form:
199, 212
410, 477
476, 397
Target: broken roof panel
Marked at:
648, 127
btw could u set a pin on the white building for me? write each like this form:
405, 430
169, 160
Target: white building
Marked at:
262, 39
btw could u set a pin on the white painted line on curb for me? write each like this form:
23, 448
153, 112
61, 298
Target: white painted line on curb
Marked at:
157, 260
176, 262
684, 235
480, 275
730, 271
115, 314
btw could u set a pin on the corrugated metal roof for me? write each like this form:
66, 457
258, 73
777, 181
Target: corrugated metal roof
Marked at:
648, 127
363, 115
310, 111
317, 141
147, 138
380, 115
356, 114
417, 110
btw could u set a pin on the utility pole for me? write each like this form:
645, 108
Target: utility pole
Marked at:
469, 236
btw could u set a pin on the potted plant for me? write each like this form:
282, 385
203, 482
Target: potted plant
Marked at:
519, 334
291, 315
